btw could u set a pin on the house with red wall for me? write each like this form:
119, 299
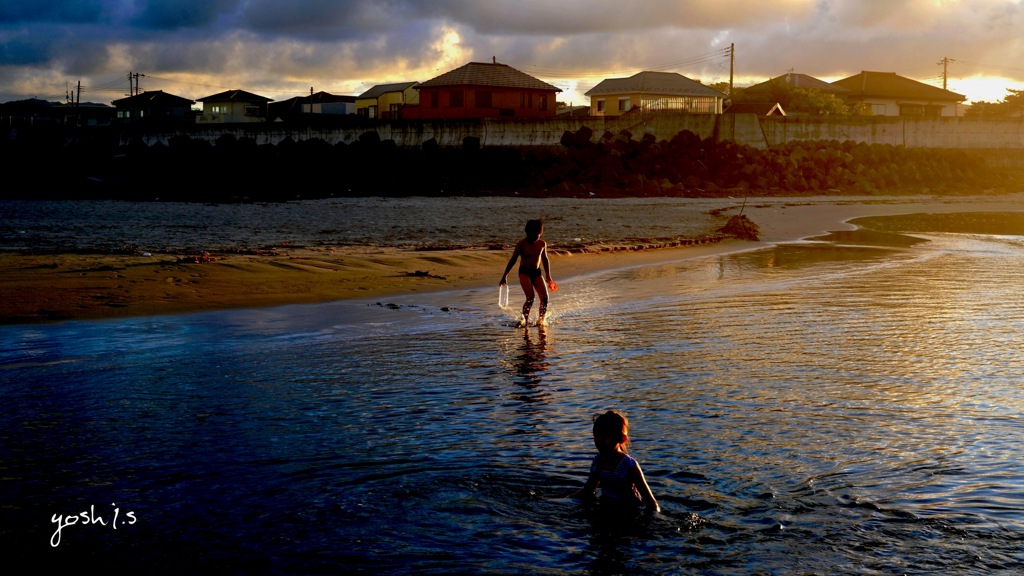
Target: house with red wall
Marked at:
482, 90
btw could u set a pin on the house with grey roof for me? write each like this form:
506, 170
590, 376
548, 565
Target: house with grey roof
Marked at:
792, 80
780, 91
321, 103
154, 106
387, 101
888, 94
486, 90
653, 91
233, 106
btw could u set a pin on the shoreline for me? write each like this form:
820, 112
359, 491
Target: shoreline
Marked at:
39, 288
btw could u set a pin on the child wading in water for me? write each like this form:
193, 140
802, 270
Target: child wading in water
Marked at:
532, 278
619, 476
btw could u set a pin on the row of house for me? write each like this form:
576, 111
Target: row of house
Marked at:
495, 90
880, 93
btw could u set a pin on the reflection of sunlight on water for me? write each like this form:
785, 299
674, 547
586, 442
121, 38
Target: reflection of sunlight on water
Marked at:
816, 406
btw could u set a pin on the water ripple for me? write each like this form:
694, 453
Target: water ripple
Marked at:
796, 409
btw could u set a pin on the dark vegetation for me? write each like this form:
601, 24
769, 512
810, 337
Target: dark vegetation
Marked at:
610, 165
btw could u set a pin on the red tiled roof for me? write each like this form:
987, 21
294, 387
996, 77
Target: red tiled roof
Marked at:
889, 85
492, 75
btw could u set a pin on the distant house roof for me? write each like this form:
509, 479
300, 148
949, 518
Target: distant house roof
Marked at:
492, 75
654, 83
153, 98
794, 80
759, 108
294, 105
28, 106
234, 96
319, 98
328, 98
890, 85
381, 89
573, 111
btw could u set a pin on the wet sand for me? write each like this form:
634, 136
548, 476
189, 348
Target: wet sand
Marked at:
51, 287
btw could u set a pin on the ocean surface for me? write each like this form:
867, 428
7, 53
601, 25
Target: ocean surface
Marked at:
802, 408
404, 222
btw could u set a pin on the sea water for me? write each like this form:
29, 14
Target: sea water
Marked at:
802, 408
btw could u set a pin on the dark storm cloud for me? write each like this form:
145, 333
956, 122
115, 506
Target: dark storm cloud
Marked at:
347, 44
15, 12
323, 19
176, 14
24, 50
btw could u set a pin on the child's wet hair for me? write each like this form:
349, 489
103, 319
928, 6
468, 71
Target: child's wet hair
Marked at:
534, 228
611, 424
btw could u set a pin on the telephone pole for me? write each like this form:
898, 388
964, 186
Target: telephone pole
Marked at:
945, 68
732, 65
134, 91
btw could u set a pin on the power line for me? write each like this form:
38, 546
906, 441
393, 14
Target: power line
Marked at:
710, 57
218, 87
991, 66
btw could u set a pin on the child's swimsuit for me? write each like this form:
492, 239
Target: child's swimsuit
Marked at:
616, 484
530, 271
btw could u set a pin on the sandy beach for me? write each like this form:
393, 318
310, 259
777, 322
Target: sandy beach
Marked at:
51, 287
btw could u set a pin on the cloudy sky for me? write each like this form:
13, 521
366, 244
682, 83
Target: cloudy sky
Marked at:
281, 49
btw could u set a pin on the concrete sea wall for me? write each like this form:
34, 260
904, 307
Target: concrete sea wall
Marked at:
746, 129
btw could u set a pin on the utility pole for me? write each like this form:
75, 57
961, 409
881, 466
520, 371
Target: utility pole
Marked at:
732, 65
134, 91
133, 113
945, 67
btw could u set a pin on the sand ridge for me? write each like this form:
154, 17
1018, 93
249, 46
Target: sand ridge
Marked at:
50, 287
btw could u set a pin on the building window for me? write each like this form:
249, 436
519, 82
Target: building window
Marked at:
483, 99
543, 102
911, 110
624, 104
371, 111
434, 99
878, 109
217, 109
455, 99
600, 105
395, 110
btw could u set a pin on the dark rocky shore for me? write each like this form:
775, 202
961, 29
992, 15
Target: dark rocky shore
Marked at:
584, 165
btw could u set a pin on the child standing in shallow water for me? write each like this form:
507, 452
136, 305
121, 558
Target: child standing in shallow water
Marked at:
618, 475
532, 278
